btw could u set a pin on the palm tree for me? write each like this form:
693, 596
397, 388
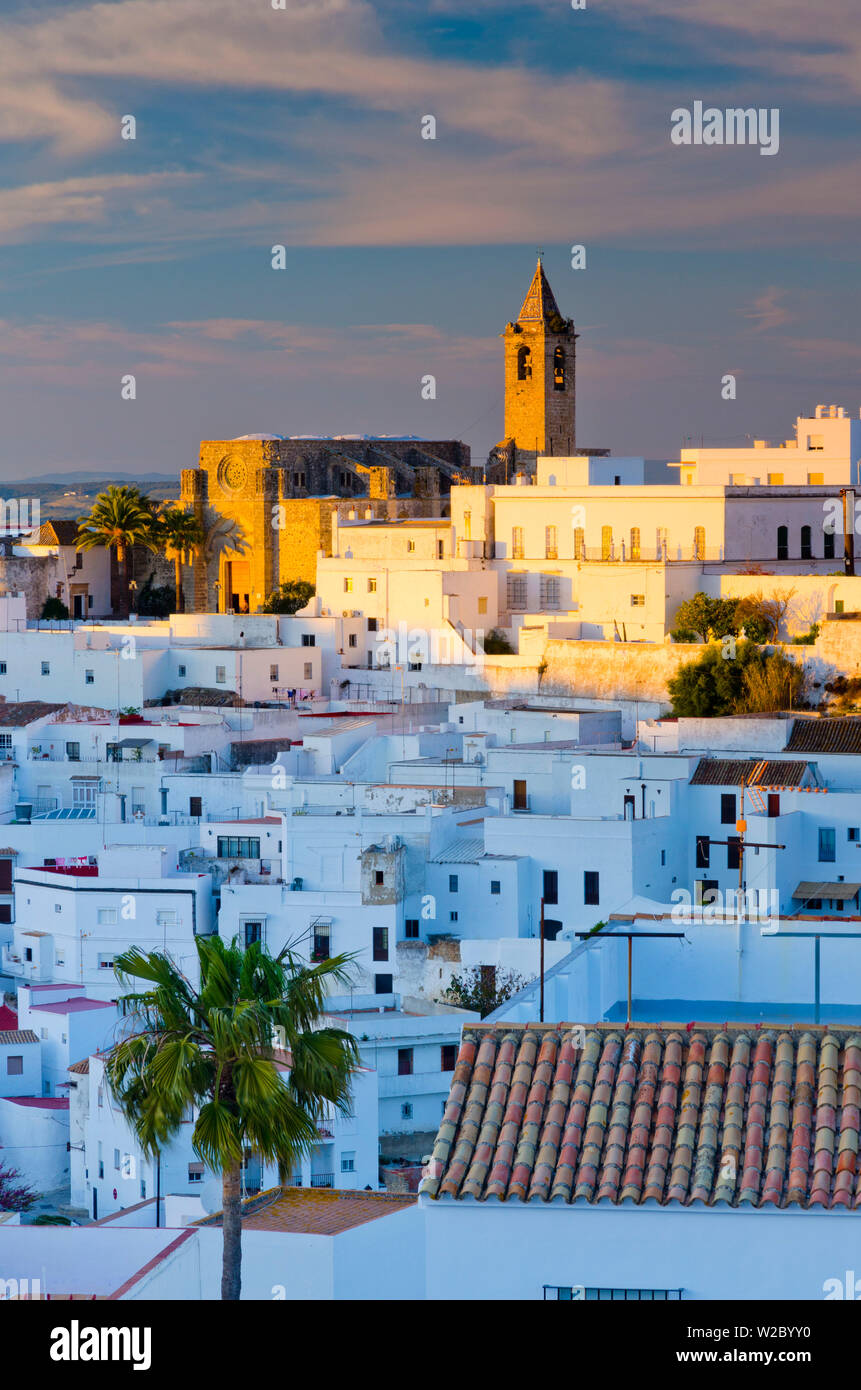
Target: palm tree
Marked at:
214, 1049
220, 533
180, 534
121, 518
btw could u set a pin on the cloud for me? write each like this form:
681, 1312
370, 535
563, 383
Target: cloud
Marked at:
75, 201
767, 313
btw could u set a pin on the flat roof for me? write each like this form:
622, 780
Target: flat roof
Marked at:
316, 1211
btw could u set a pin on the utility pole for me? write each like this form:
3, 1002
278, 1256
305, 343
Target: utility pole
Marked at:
541, 966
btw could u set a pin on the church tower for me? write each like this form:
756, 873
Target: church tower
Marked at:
539, 382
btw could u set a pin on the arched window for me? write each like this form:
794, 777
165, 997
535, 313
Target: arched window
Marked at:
524, 365
635, 542
699, 542
559, 370
783, 542
806, 543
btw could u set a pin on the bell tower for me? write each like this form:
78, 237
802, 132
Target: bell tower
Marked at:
539, 381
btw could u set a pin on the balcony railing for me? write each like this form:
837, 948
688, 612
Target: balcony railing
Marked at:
322, 1179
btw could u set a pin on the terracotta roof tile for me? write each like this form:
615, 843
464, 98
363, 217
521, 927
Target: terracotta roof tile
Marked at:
729, 772
737, 1115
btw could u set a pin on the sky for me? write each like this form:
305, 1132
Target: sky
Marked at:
406, 257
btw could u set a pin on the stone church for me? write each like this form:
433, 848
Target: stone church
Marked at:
266, 502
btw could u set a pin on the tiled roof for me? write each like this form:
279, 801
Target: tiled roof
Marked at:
827, 889
728, 772
82, 1067
15, 714
825, 736
745, 1116
318, 1211
59, 532
10, 1036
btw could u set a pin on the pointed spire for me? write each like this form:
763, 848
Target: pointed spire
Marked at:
540, 303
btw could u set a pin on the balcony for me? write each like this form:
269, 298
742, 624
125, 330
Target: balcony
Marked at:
322, 1179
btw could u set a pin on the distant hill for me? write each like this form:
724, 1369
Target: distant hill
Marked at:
94, 476
71, 495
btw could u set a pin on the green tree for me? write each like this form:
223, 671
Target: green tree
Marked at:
121, 518
702, 616
290, 597
483, 990
736, 679
214, 1049
54, 608
180, 536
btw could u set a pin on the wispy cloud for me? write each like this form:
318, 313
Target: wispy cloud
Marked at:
767, 312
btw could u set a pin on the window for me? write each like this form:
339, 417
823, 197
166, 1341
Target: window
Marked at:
2, 668
559, 370
440, 550
635, 542
806, 543
549, 593
353, 640
448, 1057
579, 543
452, 883
411, 928
727, 808
106, 961
117, 1159
551, 549
663, 858
516, 587
180, 670
495, 887
372, 625
107, 916
827, 846
775, 480
15, 1066
382, 984
852, 833
348, 1162
372, 586
73, 752
606, 542
381, 943
411, 546
517, 543
816, 479
238, 847
699, 542
405, 1061
253, 932
308, 671
482, 605
46, 668
702, 851
220, 675
79, 560
143, 1189
89, 678
84, 793
309, 639
524, 366
550, 890
195, 1172
348, 586
273, 673
578, 1293
828, 545
733, 852
706, 891
195, 806
591, 892
773, 805
452, 916
379, 877
783, 542
406, 1111
638, 600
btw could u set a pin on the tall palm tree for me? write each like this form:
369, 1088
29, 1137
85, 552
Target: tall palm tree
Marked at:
214, 1049
180, 534
121, 518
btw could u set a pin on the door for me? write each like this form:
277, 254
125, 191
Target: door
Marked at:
521, 800
95, 1205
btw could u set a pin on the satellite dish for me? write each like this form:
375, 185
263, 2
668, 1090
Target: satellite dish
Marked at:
211, 1198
